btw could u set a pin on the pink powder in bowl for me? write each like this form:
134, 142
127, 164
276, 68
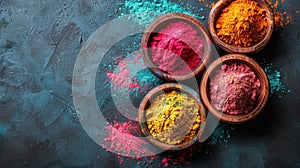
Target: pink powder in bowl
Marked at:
177, 49
234, 89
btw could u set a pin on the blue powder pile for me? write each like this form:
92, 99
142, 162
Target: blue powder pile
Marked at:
144, 12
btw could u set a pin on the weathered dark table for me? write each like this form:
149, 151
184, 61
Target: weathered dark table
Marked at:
39, 43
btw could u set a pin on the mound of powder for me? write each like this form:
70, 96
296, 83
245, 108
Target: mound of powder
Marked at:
234, 89
177, 49
173, 118
243, 23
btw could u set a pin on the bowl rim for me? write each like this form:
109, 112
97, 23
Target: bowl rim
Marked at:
193, 22
214, 14
167, 87
263, 96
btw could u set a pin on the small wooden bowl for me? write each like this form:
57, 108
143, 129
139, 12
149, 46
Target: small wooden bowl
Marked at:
161, 23
261, 75
163, 89
214, 15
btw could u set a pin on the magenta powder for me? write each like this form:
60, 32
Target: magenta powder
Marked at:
234, 89
177, 49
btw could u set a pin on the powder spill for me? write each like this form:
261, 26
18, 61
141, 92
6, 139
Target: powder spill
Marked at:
130, 73
122, 139
144, 12
122, 136
243, 23
177, 49
234, 89
282, 18
275, 79
208, 4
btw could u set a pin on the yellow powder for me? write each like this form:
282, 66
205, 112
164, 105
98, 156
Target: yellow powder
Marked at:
173, 118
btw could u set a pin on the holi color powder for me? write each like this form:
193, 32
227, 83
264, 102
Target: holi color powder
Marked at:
173, 118
234, 89
218, 141
177, 49
131, 73
276, 79
208, 4
144, 12
243, 23
123, 139
282, 18
128, 144
126, 74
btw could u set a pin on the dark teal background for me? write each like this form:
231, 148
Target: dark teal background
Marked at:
39, 43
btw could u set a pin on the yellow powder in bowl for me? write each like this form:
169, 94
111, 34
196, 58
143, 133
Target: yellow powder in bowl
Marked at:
173, 118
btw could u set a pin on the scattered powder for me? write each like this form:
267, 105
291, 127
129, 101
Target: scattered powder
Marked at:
130, 73
234, 89
218, 141
282, 18
177, 49
130, 145
144, 12
122, 138
144, 81
121, 78
208, 4
220, 137
275, 79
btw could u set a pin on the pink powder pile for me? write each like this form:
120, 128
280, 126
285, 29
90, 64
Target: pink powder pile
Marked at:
234, 89
177, 49
121, 139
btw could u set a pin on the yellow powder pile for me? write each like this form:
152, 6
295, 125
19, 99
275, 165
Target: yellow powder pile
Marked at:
173, 118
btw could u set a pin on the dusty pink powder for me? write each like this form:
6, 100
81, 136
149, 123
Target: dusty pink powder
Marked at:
234, 89
177, 49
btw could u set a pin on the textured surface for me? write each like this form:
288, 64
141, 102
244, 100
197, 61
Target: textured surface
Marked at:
39, 42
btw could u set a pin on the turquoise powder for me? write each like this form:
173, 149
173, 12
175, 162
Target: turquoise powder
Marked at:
275, 78
144, 12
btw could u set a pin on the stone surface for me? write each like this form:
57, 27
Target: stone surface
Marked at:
39, 42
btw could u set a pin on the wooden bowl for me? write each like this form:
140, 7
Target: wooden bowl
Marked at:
264, 90
146, 103
161, 23
214, 15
